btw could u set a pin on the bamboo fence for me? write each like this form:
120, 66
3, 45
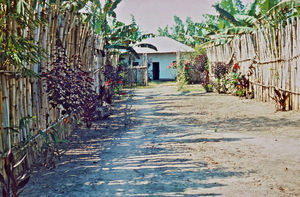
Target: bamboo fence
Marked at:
274, 52
22, 97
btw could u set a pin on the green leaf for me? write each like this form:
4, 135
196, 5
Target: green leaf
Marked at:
145, 36
249, 20
115, 46
221, 24
145, 45
226, 15
25, 72
115, 4
253, 7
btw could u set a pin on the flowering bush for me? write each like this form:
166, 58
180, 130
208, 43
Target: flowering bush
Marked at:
194, 69
200, 64
183, 72
172, 65
114, 83
239, 83
220, 71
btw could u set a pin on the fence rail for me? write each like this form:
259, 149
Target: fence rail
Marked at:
274, 52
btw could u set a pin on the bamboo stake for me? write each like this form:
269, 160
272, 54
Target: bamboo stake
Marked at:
2, 139
2, 148
288, 50
297, 61
294, 62
6, 114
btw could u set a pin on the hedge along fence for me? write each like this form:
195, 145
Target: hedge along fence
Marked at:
275, 55
25, 113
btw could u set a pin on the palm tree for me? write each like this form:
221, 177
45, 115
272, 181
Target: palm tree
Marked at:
114, 34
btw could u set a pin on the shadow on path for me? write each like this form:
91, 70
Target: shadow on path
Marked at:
142, 159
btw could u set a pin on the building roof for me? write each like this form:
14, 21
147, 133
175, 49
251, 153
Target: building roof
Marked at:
163, 45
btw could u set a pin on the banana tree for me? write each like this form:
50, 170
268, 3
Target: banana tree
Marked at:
114, 34
126, 38
189, 33
235, 18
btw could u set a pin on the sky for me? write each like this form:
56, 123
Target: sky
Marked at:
152, 14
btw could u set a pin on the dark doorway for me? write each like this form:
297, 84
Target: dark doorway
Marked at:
155, 70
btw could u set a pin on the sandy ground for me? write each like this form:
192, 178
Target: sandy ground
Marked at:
165, 143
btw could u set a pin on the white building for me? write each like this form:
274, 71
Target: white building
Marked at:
158, 61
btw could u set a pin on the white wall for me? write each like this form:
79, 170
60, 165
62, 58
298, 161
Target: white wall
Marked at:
164, 61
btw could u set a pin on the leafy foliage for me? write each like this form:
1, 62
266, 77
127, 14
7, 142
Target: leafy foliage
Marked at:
200, 63
240, 84
16, 49
69, 87
114, 83
189, 33
199, 70
50, 147
115, 34
127, 37
233, 18
220, 69
192, 68
13, 185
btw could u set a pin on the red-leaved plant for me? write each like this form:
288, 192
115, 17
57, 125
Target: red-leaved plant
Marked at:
69, 87
280, 99
12, 185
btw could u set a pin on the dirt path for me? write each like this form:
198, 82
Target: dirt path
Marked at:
180, 144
